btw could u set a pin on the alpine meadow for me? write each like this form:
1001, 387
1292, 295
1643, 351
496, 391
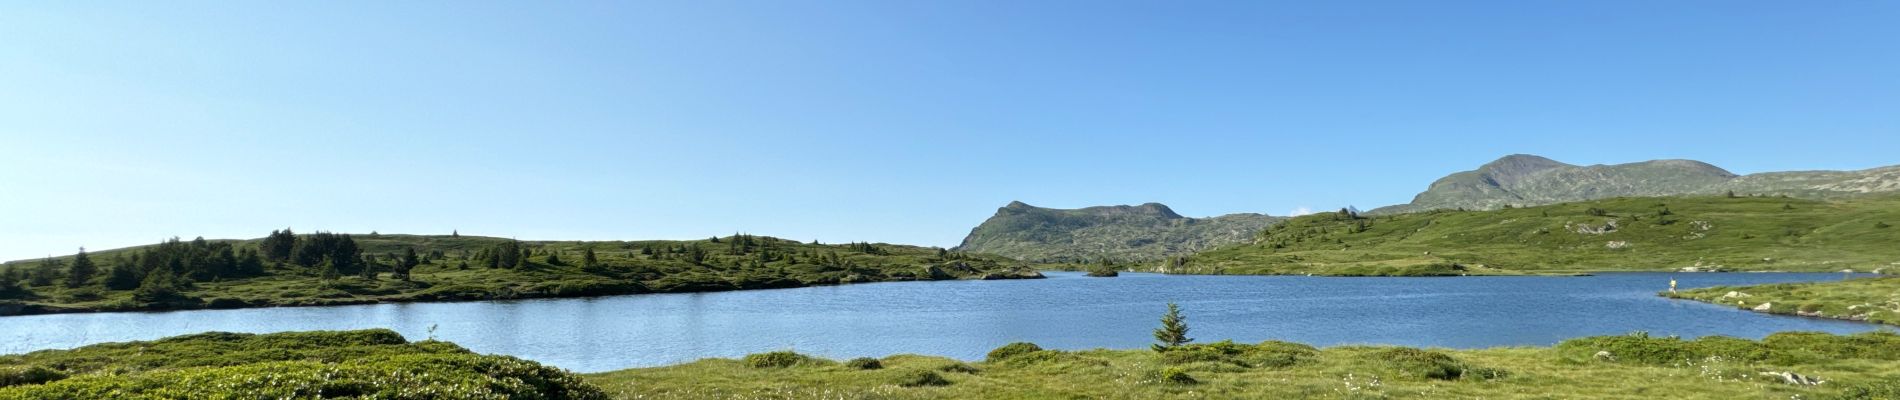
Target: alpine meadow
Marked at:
844, 200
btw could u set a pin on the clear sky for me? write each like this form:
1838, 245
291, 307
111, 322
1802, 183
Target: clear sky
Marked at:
125, 123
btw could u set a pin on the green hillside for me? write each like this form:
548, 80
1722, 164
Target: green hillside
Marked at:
1527, 180
1641, 234
369, 364
328, 269
1123, 233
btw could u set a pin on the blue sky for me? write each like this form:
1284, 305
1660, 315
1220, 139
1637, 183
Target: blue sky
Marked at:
894, 121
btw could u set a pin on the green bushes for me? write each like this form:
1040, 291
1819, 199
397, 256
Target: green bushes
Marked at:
865, 363
918, 378
33, 375
776, 359
1011, 350
1432, 365
354, 364
1178, 376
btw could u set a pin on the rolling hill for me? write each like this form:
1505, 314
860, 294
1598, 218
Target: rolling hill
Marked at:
1123, 233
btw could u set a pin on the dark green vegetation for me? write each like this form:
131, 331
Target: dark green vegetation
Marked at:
1868, 299
354, 364
1695, 233
1864, 366
1126, 233
1526, 180
287, 269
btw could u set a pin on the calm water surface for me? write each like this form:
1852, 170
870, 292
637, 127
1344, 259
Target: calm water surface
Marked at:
965, 319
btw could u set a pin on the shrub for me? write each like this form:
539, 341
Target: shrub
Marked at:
34, 375
776, 359
864, 363
917, 378
1422, 363
1178, 376
1011, 350
960, 368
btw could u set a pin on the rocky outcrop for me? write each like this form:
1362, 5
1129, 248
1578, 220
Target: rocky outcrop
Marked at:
1527, 180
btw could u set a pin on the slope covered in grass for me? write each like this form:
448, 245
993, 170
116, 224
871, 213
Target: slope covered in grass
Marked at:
1624, 367
354, 364
455, 267
1868, 299
1644, 234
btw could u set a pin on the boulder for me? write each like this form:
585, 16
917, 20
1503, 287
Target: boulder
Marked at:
1764, 307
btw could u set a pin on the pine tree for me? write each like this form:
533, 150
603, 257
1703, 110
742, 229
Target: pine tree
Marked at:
328, 272
123, 277
554, 258
407, 263
1173, 331
10, 284
278, 245
160, 285
588, 259
369, 267
82, 270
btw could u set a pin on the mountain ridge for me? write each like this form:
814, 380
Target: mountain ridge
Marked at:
1519, 180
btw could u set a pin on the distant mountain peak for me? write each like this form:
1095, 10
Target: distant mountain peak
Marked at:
1524, 180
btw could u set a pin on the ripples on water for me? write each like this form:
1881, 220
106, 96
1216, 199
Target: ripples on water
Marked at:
965, 319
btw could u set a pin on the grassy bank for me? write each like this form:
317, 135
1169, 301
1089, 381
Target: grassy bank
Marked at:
1624, 234
302, 365
1867, 299
405, 268
1863, 366
382, 364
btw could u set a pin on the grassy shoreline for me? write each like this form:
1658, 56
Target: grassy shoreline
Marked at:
360, 364
1875, 299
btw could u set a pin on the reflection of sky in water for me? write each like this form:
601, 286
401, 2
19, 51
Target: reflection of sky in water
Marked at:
964, 319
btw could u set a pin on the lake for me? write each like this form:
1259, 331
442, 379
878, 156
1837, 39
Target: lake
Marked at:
965, 319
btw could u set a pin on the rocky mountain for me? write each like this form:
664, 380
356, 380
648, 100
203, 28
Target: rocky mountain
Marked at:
1124, 233
1526, 180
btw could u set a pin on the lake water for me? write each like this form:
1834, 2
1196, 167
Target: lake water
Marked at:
965, 319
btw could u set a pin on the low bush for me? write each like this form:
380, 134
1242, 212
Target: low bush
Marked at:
776, 359
917, 378
864, 363
33, 375
1011, 350
1178, 376
960, 368
1432, 365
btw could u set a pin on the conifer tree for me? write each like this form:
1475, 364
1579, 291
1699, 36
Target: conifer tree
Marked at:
82, 270
123, 277
588, 259
1173, 331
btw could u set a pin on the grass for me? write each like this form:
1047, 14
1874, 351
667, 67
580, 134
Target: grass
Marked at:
622, 270
381, 364
1636, 367
353, 364
1622, 234
1867, 299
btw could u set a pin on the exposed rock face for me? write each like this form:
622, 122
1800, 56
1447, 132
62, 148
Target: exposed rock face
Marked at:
1526, 180
1128, 233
